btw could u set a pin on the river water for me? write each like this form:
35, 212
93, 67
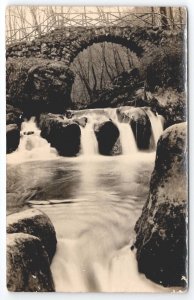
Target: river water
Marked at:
93, 202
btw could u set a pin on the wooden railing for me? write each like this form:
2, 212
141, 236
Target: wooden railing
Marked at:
59, 20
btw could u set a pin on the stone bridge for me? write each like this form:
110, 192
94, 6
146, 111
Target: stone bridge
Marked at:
64, 44
38, 71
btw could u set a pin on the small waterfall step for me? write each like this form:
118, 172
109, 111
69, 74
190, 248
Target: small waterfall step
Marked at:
127, 139
32, 146
157, 122
89, 144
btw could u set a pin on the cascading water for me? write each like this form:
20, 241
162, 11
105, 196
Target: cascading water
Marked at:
127, 139
32, 146
89, 144
156, 124
92, 203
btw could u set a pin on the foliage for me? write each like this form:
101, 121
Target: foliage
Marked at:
164, 65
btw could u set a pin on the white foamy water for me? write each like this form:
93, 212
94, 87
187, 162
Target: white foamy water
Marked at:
32, 146
89, 144
93, 201
127, 139
157, 122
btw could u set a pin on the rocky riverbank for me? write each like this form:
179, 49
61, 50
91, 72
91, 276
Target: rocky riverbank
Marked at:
161, 230
31, 244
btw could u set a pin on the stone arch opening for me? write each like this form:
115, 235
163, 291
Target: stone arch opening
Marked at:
98, 67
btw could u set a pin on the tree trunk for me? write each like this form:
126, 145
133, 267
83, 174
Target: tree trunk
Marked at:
34, 16
153, 16
171, 17
164, 19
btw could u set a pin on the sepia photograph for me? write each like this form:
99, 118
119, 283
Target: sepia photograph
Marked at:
96, 149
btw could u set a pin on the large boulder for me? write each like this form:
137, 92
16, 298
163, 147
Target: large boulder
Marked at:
12, 137
107, 135
13, 115
38, 85
140, 124
34, 222
28, 268
61, 133
162, 227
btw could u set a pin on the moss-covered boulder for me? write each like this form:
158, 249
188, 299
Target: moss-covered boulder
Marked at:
62, 133
28, 268
34, 222
13, 115
12, 137
37, 85
162, 227
107, 135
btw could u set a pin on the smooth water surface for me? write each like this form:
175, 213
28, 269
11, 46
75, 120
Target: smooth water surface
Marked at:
93, 204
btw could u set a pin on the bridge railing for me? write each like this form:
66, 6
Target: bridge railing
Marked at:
59, 20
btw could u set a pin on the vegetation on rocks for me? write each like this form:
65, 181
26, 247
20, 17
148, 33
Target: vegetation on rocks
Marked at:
28, 268
35, 85
162, 226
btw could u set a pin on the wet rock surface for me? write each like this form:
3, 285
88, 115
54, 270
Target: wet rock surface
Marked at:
36, 223
162, 228
28, 267
38, 85
107, 135
61, 133
13, 115
140, 124
12, 137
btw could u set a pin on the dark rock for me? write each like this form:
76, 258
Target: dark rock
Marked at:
63, 134
162, 228
140, 124
37, 85
13, 115
34, 222
28, 132
107, 135
12, 137
174, 110
28, 268
116, 149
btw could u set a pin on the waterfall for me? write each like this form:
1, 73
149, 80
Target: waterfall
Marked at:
156, 124
89, 144
127, 139
32, 146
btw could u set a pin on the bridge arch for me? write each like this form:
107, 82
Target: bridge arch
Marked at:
64, 44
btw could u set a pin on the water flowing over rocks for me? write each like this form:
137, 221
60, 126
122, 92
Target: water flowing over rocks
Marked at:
36, 85
61, 133
107, 135
140, 124
28, 266
161, 229
12, 137
36, 223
